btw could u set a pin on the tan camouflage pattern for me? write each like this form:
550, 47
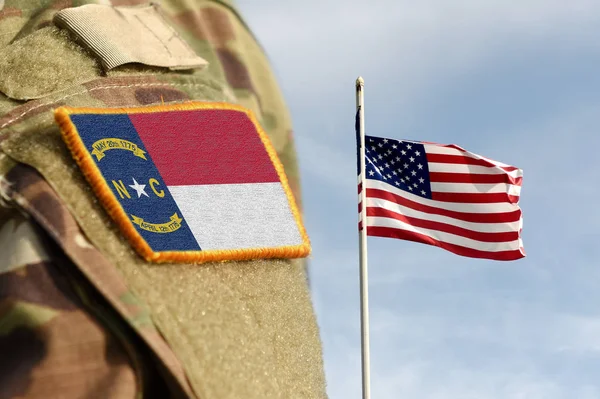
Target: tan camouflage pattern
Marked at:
80, 314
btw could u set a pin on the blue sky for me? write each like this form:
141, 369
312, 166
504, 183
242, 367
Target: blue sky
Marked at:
514, 81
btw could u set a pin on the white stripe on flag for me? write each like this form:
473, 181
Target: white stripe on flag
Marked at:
440, 149
481, 227
445, 237
228, 216
499, 207
471, 188
471, 169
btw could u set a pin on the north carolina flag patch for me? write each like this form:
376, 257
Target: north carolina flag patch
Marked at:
192, 182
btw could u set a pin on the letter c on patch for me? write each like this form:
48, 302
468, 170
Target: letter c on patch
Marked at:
153, 182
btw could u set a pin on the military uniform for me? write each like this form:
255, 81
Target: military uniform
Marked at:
81, 313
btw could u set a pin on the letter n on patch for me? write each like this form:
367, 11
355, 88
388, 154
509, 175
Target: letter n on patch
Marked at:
192, 182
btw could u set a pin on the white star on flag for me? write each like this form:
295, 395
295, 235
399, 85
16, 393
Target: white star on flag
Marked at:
139, 188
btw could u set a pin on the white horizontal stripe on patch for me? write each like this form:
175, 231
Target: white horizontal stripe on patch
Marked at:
238, 216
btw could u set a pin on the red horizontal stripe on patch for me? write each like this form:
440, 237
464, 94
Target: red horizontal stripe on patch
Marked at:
442, 177
479, 198
505, 217
464, 160
205, 147
457, 249
447, 228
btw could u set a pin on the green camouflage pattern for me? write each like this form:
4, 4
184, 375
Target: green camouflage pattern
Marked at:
70, 284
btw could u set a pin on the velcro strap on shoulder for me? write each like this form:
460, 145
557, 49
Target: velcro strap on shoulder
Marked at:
122, 35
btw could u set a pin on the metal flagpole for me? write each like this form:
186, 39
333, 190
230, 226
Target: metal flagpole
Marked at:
362, 238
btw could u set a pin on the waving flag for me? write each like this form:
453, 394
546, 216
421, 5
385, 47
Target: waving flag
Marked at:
443, 195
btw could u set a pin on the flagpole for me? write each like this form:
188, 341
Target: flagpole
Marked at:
362, 238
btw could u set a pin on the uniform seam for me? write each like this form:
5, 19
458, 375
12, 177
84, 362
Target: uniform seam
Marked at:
156, 36
18, 117
24, 202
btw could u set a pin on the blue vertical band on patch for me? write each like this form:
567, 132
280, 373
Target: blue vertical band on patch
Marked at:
129, 171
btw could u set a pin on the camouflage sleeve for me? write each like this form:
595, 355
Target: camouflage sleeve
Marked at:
62, 334
51, 345
45, 333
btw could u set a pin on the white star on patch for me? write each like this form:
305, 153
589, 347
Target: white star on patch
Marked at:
409, 146
139, 188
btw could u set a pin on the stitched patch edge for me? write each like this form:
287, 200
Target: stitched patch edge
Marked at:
113, 207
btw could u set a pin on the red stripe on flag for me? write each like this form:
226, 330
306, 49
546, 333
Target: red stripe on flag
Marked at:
444, 227
457, 249
442, 177
480, 198
464, 160
205, 147
504, 217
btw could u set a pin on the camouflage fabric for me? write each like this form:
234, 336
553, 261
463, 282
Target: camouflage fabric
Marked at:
81, 315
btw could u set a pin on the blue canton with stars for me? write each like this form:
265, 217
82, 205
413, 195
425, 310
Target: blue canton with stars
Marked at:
398, 163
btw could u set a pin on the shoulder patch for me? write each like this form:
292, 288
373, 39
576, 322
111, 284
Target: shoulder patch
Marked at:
192, 182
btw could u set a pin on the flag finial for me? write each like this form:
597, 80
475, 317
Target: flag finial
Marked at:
360, 81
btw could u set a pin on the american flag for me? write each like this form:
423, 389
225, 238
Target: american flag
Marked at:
442, 195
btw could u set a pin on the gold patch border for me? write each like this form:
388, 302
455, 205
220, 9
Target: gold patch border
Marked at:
113, 207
